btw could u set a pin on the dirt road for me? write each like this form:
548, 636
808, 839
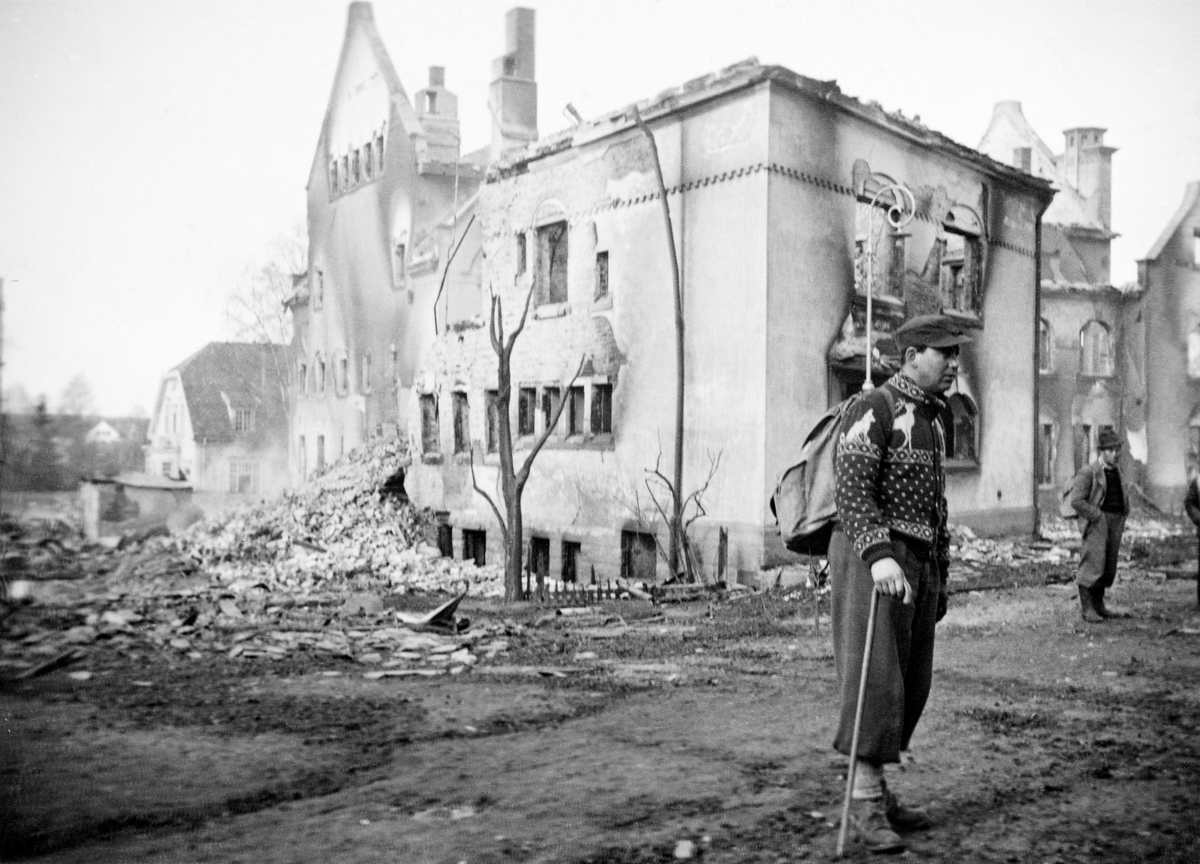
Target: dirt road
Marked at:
700, 728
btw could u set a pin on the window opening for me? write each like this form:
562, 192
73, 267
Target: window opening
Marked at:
1193, 353
379, 152
333, 177
960, 428
399, 264
364, 377
601, 275
345, 173
1045, 347
462, 429
539, 557
570, 560
356, 166
243, 477
319, 372
526, 410
601, 409
243, 420
303, 458
303, 376
320, 452
319, 293
520, 254
368, 161
1096, 342
343, 374
445, 538
575, 412
551, 396
474, 546
639, 556
960, 273
1046, 454
430, 442
1196, 247
491, 405
552, 263
430, 102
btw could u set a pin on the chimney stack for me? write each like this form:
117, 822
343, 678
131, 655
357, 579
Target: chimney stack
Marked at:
1088, 169
437, 109
513, 96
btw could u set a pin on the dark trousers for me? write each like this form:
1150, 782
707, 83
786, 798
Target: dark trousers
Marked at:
1098, 557
901, 669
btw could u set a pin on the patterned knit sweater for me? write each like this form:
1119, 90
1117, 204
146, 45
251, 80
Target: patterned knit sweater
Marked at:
893, 483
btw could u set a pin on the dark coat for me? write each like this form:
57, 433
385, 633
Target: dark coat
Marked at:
1191, 504
1087, 492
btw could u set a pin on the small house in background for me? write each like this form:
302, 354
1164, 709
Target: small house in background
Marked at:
220, 423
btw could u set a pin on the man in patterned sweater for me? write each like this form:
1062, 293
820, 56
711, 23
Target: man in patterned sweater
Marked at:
892, 539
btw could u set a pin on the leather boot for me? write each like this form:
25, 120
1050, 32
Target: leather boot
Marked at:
1088, 608
1105, 610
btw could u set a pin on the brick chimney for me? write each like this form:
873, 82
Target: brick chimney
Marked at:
437, 109
513, 96
1087, 166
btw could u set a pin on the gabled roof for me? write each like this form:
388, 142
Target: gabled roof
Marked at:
224, 376
1191, 196
747, 74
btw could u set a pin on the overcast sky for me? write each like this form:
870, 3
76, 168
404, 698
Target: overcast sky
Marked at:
150, 152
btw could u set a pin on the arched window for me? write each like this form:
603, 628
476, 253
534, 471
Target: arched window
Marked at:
961, 426
1045, 346
1095, 340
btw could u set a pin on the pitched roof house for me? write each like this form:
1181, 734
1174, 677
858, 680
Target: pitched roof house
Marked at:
220, 420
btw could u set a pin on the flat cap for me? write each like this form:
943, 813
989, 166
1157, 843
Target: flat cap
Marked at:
933, 331
1108, 440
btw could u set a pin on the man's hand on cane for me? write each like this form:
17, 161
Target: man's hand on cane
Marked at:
889, 579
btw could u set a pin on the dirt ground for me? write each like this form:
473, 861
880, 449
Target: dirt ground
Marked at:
700, 729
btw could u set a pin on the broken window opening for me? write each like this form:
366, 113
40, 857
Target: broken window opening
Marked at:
551, 396
333, 177
399, 265
474, 545
960, 277
639, 556
343, 374
571, 551
379, 152
520, 254
601, 275
445, 539
430, 438
574, 411
526, 410
1045, 467
552, 263
960, 428
539, 558
462, 428
887, 254
1095, 341
368, 161
243, 477
356, 166
1045, 347
601, 409
491, 406
345, 173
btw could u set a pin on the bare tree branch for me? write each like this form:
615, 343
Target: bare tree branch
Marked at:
551, 425
488, 499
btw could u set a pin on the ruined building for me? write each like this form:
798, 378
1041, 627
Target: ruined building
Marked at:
390, 198
770, 177
1169, 281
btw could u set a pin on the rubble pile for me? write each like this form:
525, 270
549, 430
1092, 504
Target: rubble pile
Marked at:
334, 531
66, 621
971, 550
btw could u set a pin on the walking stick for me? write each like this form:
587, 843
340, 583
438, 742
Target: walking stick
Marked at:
858, 712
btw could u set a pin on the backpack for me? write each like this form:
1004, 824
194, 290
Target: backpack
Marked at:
803, 503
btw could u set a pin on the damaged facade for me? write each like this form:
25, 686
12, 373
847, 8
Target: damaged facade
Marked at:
1169, 282
220, 422
770, 178
389, 199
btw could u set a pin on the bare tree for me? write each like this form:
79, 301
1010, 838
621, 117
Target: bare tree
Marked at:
512, 480
257, 306
77, 398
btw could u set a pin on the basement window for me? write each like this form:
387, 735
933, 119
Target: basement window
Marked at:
474, 545
430, 437
526, 410
601, 409
462, 424
639, 556
552, 263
